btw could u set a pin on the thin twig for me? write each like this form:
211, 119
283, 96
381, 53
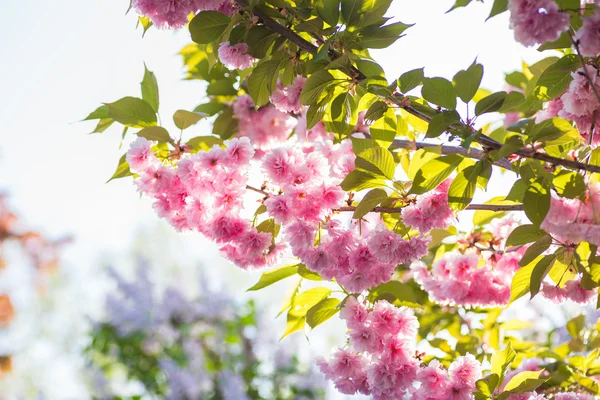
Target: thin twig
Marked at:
583, 65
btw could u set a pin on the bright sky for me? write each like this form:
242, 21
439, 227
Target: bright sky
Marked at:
61, 59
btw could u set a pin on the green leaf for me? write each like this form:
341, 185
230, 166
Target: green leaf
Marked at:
402, 292
521, 281
262, 81
375, 37
439, 91
306, 273
270, 277
315, 87
329, 11
501, 360
467, 82
524, 234
434, 172
269, 226
536, 249
321, 312
441, 122
211, 108
155, 133
377, 161
150, 89
491, 103
225, 125
371, 200
383, 131
132, 112
526, 381
539, 272
359, 180
498, 8
203, 143
459, 3
305, 300
536, 202
221, 87
556, 79
463, 186
375, 111
184, 119
550, 129
259, 40
351, 11
487, 385
103, 125
411, 79
512, 101
122, 169
101, 112
569, 184
208, 26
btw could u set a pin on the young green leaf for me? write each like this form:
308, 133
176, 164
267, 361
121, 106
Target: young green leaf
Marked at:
439, 91
322, 311
149, 87
370, 201
132, 112
434, 172
184, 119
208, 26
270, 277
467, 82
155, 133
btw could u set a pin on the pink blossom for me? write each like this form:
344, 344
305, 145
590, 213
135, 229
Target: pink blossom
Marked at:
346, 363
354, 313
553, 107
165, 13
239, 151
139, 157
235, 56
464, 371
434, 380
577, 294
462, 266
287, 99
589, 35
553, 292
430, 211
580, 99
537, 21
365, 338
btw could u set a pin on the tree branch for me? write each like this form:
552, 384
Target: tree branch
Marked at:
481, 139
448, 150
471, 207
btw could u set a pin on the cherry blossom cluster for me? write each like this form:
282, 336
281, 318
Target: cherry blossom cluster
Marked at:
572, 221
589, 35
579, 103
457, 279
571, 290
380, 359
205, 193
172, 14
537, 21
235, 56
430, 210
